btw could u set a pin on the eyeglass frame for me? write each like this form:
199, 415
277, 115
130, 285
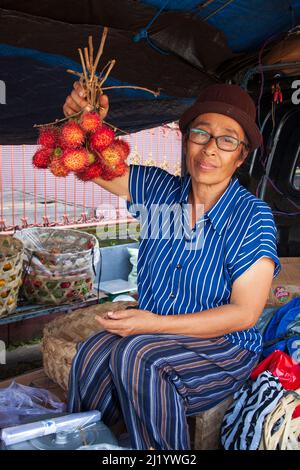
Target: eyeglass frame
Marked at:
239, 142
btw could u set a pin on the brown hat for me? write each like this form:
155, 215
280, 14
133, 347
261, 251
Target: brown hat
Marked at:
230, 100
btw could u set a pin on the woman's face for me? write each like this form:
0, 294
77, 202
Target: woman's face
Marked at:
206, 163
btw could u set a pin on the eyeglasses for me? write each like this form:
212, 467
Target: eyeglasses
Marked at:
224, 142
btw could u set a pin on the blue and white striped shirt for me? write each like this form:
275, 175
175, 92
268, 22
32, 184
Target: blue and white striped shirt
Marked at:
187, 271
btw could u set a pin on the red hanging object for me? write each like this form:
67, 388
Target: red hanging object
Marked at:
277, 93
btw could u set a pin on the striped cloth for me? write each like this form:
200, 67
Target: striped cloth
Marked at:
243, 422
185, 271
153, 382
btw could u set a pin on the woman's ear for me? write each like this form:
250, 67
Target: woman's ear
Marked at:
243, 156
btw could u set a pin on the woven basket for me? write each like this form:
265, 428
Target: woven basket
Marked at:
62, 335
11, 263
58, 265
286, 434
57, 289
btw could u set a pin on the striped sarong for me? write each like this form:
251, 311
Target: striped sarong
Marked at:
153, 382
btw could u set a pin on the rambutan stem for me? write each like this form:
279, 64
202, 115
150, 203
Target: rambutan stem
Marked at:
91, 50
102, 71
155, 93
78, 74
59, 120
87, 60
100, 50
91, 83
111, 65
83, 67
115, 128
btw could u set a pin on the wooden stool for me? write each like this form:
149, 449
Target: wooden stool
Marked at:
205, 427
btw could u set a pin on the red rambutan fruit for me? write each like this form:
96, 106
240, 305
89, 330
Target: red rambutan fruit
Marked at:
123, 146
113, 155
72, 136
75, 159
42, 157
90, 122
57, 168
110, 173
102, 138
48, 137
120, 170
93, 171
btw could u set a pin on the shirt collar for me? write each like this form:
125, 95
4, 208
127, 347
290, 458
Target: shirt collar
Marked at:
185, 189
222, 209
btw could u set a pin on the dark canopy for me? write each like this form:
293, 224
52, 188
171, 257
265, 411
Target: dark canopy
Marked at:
188, 45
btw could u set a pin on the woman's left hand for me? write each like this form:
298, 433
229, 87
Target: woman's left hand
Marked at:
130, 322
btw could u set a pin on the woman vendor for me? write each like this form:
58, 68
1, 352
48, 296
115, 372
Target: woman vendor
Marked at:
202, 286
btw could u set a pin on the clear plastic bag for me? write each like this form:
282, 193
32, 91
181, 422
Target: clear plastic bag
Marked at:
59, 264
54, 251
18, 401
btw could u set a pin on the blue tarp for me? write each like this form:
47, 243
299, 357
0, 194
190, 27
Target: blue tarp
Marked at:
178, 46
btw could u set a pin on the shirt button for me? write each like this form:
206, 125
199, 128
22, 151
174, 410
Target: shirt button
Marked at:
172, 295
178, 266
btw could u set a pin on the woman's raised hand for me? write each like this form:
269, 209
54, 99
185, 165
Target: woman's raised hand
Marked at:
76, 101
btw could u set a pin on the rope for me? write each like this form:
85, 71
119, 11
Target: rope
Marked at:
143, 33
217, 10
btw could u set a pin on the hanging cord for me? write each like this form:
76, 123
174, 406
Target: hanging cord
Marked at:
143, 33
217, 10
281, 193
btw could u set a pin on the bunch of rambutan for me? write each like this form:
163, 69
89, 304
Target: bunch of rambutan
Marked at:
85, 146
